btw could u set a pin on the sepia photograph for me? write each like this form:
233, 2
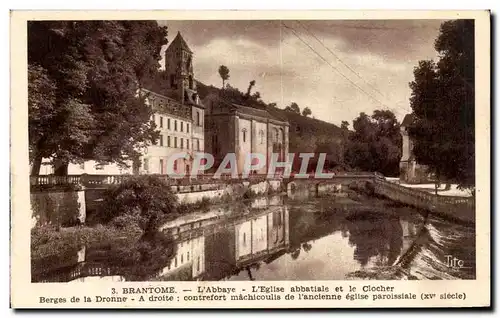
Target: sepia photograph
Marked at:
167, 150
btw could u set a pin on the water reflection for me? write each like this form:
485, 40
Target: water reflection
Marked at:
277, 238
378, 242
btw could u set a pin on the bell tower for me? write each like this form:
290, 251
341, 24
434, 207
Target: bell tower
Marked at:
179, 69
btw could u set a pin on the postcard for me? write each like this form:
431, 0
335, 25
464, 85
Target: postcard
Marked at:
250, 159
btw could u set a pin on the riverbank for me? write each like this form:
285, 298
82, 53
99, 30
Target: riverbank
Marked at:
51, 240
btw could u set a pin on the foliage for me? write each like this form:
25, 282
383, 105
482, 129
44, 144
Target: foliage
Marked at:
306, 112
293, 108
202, 205
48, 240
443, 105
250, 86
121, 248
83, 80
375, 144
224, 74
147, 199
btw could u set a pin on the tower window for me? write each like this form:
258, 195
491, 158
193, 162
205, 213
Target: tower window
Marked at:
261, 136
244, 133
198, 119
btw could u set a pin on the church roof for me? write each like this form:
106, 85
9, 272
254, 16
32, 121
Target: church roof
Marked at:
408, 120
179, 41
255, 112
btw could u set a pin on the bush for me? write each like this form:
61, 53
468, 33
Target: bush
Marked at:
142, 199
249, 194
202, 205
126, 221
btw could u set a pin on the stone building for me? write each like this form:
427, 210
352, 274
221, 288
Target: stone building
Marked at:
232, 128
180, 128
178, 115
410, 170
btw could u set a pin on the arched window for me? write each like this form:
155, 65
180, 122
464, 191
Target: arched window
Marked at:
244, 132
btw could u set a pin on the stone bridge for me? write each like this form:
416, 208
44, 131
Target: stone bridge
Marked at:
457, 208
334, 183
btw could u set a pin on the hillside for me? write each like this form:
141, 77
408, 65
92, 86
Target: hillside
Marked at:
305, 135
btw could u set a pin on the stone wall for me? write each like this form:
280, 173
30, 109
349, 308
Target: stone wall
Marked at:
66, 207
456, 208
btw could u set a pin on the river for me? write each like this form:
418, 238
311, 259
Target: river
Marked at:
296, 238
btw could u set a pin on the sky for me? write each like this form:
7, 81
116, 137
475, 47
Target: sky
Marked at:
336, 68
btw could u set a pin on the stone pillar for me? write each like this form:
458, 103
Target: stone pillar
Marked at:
286, 231
253, 135
82, 207
237, 148
286, 142
269, 144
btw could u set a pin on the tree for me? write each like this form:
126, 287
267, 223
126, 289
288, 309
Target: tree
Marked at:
250, 86
306, 112
224, 74
293, 108
274, 105
148, 199
344, 125
442, 101
91, 72
375, 144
